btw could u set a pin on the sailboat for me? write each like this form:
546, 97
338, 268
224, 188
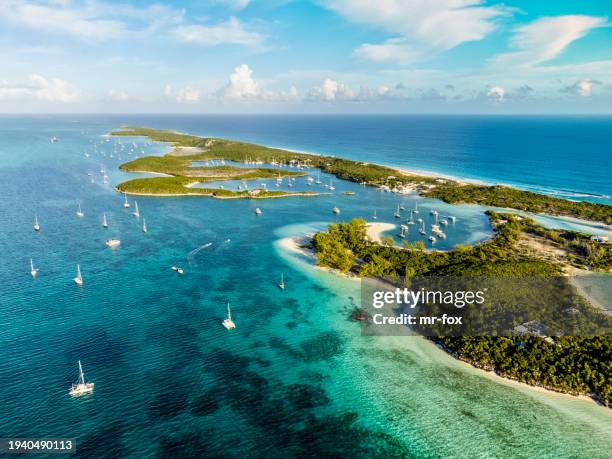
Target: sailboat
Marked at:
228, 323
374, 217
258, 211
402, 207
422, 229
33, 270
331, 187
126, 204
336, 210
281, 284
416, 208
79, 278
144, 225
104, 222
36, 225
136, 212
397, 213
79, 212
81, 387
318, 182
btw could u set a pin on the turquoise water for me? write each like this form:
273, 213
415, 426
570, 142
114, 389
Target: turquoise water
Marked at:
295, 375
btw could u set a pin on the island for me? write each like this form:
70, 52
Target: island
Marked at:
578, 365
179, 176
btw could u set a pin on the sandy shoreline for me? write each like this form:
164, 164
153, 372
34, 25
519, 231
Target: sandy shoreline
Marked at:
210, 195
374, 230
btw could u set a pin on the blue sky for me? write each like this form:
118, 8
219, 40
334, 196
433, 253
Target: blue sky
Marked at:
321, 56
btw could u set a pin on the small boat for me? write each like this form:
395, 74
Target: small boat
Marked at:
318, 181
403, 231
374, 217
441, 234
433, 212
420, 220
79, 212
36, 225
144, 225
112, 243
177, 269
336, 211
126, 204
402, 207
136, 212
432, 239
53, 139
79, 278
397, 213
33, 270
104, 222
422, 228
257, 211
410, 220
81, 387
228, 323
416, 208
331, 187
281, 284
444, 222
452, 218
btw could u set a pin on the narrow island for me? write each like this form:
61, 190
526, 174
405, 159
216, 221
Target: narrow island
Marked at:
188, 148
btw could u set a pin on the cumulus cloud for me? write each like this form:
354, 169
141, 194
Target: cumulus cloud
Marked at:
421, 27
118, 96
545, 39
243, 87
185, 95
232, 31
582, 88
40, 88
335, 91
234, 4
496, 93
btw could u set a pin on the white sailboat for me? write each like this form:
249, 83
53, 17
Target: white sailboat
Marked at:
336, 210
79, 212
228, 323
144, 225
374, 217
416, 208
136, 212
422, 229
331, 187
397, 213
104, 222
257, 211
36, 225
81, 387
79, 278
281, 284
318, 182
126, 204
33, 270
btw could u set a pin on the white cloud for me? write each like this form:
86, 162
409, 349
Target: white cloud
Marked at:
334, 91
243, 87
118, 96
545, 39
185, 95
232, 31
583, 88
496, 93
39, 88
234, 4
422, 27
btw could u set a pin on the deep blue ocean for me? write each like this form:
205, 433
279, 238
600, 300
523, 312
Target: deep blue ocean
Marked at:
296, 378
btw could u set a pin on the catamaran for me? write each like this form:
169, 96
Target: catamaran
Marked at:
136, 212
36, 225
33, 270
126, 204
81, 387
403, 231
104, 222
281, 284
79, 212
228, 323
144, 225
79, 278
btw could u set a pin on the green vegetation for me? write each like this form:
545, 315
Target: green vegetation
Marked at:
503, 196
371, 174
573, 364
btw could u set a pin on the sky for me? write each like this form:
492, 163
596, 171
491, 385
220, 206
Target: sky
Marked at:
319, 56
